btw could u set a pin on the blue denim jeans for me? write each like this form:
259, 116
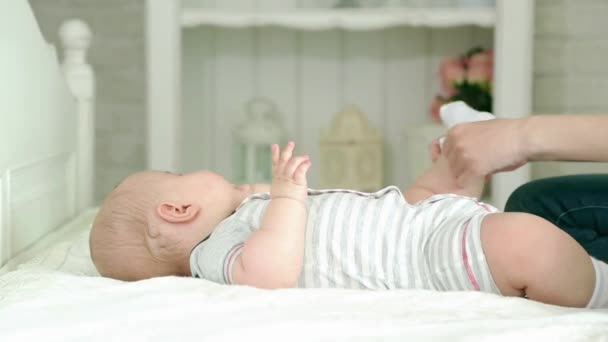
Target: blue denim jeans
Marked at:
576, 204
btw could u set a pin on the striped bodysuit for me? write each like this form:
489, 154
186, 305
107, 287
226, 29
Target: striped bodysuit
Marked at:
369, 241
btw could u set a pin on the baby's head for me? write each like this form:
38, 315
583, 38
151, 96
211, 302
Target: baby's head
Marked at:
148, 225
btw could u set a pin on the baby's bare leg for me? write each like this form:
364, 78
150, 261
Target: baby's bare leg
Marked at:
529, 256
439, 180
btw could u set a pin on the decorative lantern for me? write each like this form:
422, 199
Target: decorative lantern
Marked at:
352, 153
261, 128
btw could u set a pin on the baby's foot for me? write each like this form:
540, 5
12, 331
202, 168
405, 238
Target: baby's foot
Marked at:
457, 112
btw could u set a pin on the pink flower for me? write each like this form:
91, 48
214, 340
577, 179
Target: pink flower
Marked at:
438, 101
452, 71
457, 74
485, 57
480, 74
481, 67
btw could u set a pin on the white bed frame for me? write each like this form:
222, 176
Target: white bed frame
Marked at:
46, 128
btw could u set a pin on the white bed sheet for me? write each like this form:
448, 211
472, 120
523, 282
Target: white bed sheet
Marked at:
53, 293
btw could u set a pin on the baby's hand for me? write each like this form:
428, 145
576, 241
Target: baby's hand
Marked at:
289, 173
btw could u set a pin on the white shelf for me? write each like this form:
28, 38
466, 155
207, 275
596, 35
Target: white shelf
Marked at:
347, 19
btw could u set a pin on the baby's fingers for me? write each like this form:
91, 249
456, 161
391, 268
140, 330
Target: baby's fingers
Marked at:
287, 151
299, 175
274, 152
293, 164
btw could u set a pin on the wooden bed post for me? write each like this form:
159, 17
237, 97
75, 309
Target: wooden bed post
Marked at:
76, 39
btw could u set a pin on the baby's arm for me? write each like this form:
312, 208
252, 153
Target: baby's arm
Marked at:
254, 188
273, 256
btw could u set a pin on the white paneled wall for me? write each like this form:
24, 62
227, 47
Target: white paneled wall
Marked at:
391, 74
569, 76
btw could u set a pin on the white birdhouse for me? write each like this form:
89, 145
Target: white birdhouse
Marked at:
261, 128
352, 153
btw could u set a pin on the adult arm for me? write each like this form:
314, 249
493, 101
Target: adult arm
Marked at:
481, 148
567, 137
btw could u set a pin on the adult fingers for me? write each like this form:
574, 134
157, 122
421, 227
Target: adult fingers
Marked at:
512, 167
457, 166
435, 149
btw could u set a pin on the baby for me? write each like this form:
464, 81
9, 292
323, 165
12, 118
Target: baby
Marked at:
435, 235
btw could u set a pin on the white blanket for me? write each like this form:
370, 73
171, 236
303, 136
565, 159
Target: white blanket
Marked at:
58, 296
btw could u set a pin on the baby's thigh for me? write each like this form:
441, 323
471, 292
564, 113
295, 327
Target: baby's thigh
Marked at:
521, 249
501, 234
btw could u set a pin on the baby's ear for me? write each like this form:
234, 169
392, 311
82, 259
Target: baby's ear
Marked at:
178, 213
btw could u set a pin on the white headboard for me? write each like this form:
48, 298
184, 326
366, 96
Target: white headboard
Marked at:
46, 128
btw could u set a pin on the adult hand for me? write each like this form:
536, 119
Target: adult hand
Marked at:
481, 148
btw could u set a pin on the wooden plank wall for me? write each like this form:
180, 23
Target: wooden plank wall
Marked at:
391, 74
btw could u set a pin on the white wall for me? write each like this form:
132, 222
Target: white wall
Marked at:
571, 75
118, 56
570, 69
390, 74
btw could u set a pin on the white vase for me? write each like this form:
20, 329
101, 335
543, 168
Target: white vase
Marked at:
476, 3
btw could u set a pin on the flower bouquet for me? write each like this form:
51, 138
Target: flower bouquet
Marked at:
466, 78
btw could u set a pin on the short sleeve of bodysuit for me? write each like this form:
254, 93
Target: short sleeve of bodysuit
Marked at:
213, 258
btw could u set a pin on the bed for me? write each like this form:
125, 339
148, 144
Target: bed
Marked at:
50, 290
